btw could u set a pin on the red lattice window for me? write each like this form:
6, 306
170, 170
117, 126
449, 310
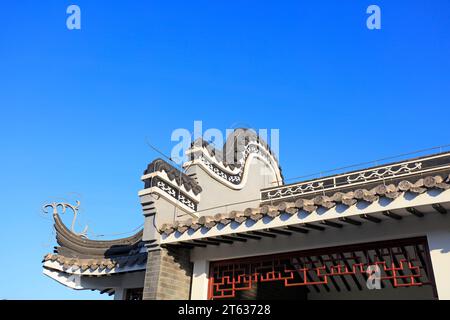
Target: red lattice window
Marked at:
403, 263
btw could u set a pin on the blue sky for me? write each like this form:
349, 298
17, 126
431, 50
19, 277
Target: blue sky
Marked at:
78, 106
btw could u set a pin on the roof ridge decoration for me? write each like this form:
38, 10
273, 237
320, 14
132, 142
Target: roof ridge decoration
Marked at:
163, 179
241, 147
309, 205
383, 173
174, 175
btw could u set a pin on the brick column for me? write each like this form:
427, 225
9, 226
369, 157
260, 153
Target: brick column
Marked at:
168, 275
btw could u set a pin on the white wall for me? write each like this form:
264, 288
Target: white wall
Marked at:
439, 244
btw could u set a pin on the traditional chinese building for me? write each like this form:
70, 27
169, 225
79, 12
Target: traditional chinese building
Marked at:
226, 229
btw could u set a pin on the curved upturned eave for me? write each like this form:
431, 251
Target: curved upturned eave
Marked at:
67, 239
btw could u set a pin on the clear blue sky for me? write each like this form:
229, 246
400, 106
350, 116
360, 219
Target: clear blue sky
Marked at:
77, 106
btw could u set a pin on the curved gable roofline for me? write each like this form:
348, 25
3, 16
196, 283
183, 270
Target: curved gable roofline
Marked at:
234, 148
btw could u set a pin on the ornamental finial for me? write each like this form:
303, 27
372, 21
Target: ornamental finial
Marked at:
64, 206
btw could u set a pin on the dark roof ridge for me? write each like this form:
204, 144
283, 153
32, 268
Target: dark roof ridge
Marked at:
159, 165
229, 147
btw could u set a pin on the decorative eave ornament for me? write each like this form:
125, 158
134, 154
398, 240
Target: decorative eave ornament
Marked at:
64, 207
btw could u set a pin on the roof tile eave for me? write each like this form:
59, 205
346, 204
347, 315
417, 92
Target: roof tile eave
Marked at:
349, 199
